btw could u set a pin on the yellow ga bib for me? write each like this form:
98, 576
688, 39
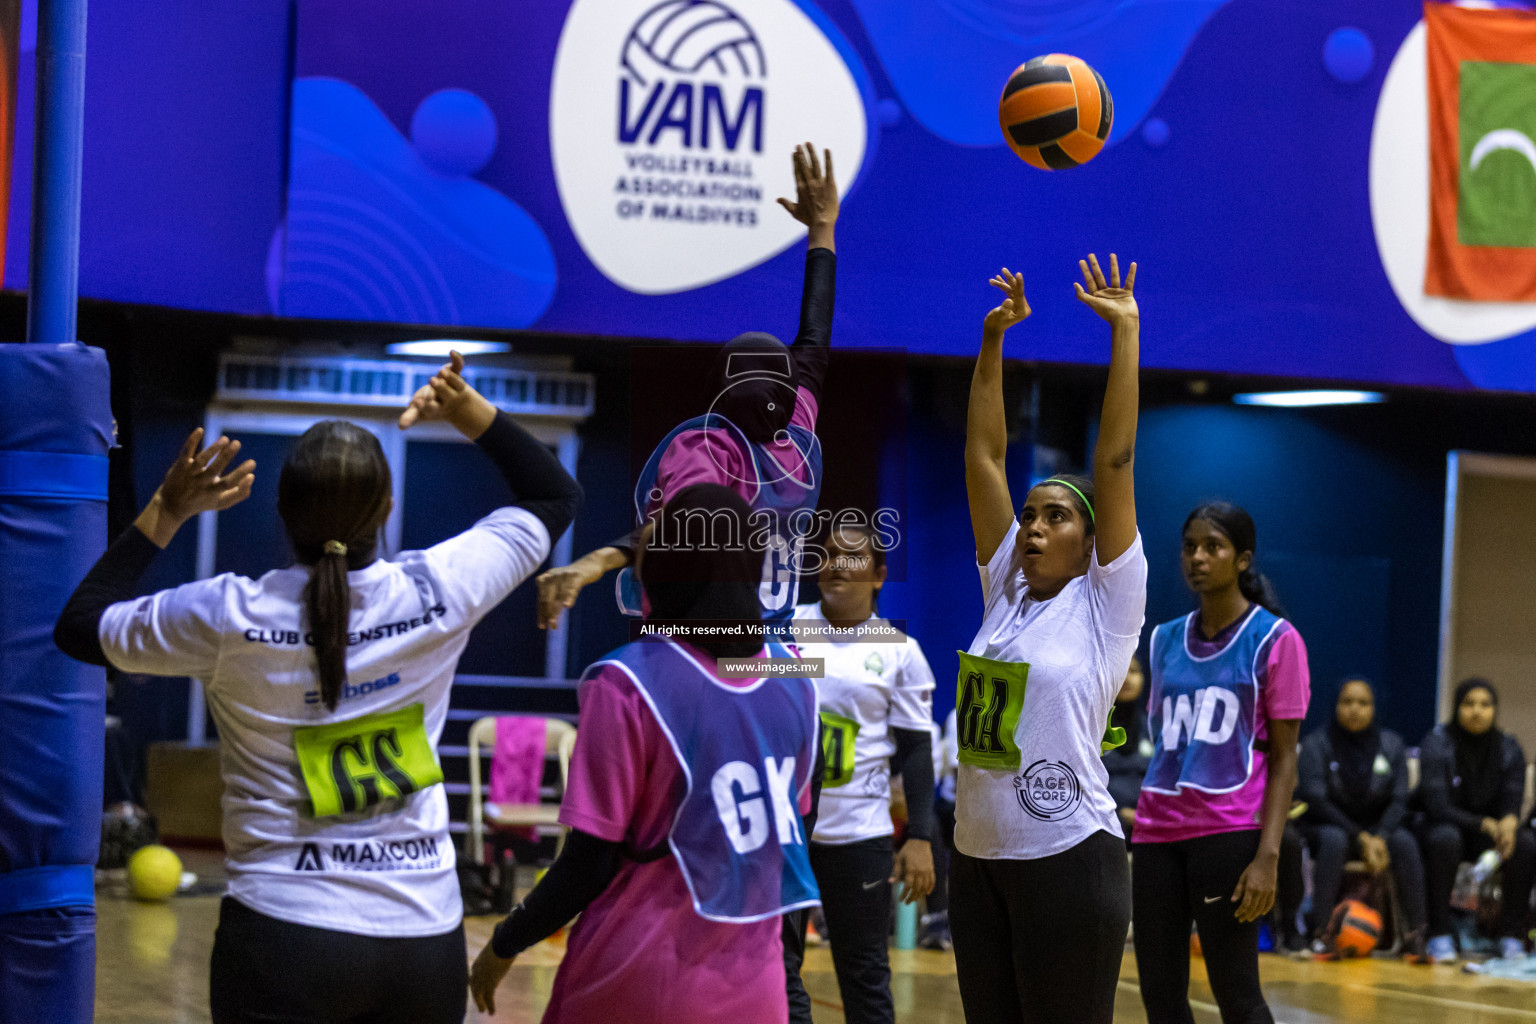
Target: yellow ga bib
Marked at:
989, 697
838, 735
352, 765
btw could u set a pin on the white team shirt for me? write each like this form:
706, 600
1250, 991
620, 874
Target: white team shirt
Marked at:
1078, 646
387, 870
880, 686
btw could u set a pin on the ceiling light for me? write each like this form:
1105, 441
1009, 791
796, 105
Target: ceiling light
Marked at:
1300, 399
440, 347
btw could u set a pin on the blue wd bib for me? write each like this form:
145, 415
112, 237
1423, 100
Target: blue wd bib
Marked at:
745, 753
780, 503
1203, 716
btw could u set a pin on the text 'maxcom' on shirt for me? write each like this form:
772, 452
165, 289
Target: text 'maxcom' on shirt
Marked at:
384, 870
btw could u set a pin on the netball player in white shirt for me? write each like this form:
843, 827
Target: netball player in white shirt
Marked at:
329, 684
876, 703
1040, 891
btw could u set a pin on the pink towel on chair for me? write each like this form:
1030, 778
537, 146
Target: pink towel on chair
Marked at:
517, 763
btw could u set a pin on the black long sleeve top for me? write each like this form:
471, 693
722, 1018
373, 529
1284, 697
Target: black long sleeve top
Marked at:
913, 761
539, 484
1379, 810
811, 349
1440, 787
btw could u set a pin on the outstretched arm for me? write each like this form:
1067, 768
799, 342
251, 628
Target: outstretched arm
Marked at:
538, 482
559, 587
815, 206
196, 482
1114, 455
986, 427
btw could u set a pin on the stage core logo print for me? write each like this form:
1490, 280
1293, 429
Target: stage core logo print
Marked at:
1049, 790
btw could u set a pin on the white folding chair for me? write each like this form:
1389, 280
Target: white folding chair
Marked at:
559, 741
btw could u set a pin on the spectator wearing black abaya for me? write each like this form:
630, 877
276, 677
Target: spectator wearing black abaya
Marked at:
1353, 775
1472, 782
1127, 763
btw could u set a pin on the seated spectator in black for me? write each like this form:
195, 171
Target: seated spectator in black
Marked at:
1472, 782
1127, 763
1353, 775
1291, 884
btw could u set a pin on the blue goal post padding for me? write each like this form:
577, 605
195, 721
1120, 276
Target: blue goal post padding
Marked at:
55, 431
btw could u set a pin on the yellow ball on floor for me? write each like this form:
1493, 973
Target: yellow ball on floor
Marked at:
154, 873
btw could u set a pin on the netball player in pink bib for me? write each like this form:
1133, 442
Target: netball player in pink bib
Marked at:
329, 682
684, 802
758, 438
1229, 690
1040, 893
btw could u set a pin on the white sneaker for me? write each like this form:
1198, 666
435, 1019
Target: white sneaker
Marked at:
1441, 950
1511, 948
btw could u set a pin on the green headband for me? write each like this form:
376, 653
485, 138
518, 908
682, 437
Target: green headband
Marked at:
1062, 483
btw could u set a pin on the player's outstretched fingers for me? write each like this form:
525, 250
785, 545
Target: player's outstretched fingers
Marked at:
205, 457
189, 447
216, 466
1098, 273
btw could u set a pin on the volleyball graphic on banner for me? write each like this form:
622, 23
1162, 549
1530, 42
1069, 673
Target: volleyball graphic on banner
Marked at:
671, 126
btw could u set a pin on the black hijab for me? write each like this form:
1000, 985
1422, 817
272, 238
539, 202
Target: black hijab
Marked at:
1355, 752
756, 383
1129, 715
699, 564
1478, 758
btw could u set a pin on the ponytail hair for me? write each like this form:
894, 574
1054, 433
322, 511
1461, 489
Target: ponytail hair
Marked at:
1237, 525
333, 496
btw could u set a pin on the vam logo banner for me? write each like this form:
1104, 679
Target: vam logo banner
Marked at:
671, 128
1482, 89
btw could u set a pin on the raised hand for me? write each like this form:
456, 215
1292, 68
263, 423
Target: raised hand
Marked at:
197, 481
1014, 308
449, 398
816, 202
1106, 297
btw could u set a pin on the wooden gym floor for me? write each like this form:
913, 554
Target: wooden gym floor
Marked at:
152, 968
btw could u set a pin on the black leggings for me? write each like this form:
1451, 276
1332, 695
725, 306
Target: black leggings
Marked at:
854, 880
1040, 941
1191, 881
267, 971
1446, 846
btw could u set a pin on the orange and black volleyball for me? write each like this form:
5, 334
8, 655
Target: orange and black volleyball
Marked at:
1056, 112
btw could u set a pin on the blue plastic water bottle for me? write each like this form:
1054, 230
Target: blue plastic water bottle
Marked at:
906, 921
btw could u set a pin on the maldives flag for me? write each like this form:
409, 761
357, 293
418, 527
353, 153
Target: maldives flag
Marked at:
1482, 153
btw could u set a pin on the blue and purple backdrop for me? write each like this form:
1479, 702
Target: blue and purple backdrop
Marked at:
609, 167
